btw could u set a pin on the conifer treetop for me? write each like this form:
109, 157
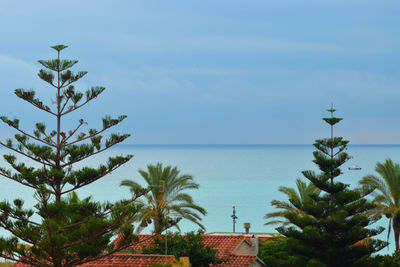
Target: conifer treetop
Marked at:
332, 120
59, 47
331, 110
62, 229
337, 219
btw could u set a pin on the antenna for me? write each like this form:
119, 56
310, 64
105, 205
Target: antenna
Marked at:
234, 217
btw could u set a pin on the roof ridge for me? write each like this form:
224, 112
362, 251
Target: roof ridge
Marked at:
245, 255
146, 255
224, 235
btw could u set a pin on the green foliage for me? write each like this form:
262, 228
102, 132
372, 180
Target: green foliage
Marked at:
386, 194
191, 245
386, 260
61, 229
335, 231
275, 252
297, 200
166, 203
162, 264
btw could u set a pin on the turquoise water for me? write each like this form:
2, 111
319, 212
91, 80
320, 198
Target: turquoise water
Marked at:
247, 176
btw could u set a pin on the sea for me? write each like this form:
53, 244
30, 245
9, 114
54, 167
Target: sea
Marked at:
246, 176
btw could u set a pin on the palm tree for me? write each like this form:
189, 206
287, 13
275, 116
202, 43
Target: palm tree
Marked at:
297, 200
388, 196
166, 202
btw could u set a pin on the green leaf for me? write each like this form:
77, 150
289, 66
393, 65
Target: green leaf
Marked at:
58, 48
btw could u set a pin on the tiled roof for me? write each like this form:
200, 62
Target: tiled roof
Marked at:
18, 264
225, 244
123, 260
144, 240
237, 261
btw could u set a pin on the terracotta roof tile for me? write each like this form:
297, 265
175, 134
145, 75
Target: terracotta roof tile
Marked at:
225, 244
123, 260
237, 261
144, 240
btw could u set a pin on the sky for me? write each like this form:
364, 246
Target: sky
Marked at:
213, 72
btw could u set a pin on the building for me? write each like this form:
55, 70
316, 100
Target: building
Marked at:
240, 248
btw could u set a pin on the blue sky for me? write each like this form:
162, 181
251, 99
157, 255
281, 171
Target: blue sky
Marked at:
215, 72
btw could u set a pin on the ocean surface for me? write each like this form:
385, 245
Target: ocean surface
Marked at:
247, 176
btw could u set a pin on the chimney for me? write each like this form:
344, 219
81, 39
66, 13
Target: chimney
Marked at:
247, 228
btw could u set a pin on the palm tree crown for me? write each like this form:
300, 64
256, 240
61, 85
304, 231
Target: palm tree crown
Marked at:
166, 202
388, 196
297, 200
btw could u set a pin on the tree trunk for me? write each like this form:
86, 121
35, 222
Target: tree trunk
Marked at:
396, 230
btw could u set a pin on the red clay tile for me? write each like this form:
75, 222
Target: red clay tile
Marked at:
237, 261
122, 260
125, 260
225, 244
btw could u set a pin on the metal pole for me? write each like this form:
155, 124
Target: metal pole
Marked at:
234, 217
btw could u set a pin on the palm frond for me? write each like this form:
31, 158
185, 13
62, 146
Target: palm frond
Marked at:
296, 198
378, 184
167, 196
387, 198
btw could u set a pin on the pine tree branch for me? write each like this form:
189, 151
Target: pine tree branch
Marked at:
109, 229
72, 79
28, 156
23, 183
90, 136
37, 139
52, 143
44, 160
93, 180
63, 85
340, 150
19, 218
16, 126
48, 180
89, 155
44, 108
75, 107
72, 133
65, 103
11, 230
103, 213
91, 94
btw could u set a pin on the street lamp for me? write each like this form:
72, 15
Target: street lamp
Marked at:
234, 217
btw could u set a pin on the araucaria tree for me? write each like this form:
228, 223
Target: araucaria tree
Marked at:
332, 235
61, 229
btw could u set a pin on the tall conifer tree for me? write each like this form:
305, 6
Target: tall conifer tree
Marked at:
62, 230
336, 233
